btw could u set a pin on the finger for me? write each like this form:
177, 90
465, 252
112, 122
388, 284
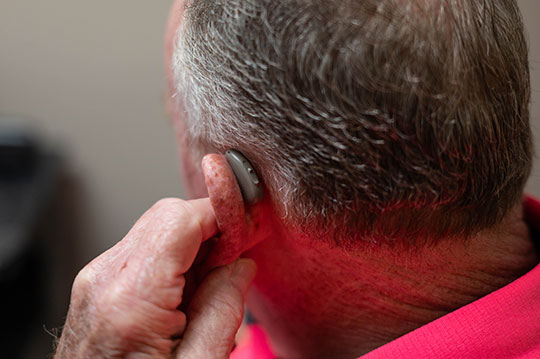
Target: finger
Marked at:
194, 276
172, 232
201, 206
216, 312
206, 217
167, 239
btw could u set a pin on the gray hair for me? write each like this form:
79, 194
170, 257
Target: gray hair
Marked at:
377, 119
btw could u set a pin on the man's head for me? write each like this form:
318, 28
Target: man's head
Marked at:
366, 119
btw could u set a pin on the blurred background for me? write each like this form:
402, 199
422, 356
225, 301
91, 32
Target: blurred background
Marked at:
86, 80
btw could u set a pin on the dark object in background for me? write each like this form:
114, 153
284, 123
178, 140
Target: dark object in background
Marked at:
28, 183
18, 153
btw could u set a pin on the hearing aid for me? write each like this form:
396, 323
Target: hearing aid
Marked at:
247, 178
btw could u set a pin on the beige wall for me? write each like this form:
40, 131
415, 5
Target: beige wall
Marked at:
531, 17
90, 75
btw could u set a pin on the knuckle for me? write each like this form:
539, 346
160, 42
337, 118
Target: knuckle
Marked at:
83, 289
84, 280
170, 204
175, 213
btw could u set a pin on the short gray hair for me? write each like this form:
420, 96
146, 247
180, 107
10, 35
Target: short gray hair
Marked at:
373, 119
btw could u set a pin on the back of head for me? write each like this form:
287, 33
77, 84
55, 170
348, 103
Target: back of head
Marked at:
387, 120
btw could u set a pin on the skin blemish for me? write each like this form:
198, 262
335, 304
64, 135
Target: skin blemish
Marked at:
226, 199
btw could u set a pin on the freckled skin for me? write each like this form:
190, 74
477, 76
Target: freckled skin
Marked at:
226, 199
239, 225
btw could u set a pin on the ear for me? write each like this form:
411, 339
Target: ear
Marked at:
235, 221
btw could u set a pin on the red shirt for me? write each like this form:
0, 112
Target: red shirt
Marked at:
503, 324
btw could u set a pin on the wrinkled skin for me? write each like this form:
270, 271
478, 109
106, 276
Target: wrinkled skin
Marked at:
124, 303
240, 227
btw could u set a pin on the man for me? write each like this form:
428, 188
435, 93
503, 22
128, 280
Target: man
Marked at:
393, 141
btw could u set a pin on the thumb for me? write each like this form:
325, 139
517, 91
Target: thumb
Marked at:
216, 312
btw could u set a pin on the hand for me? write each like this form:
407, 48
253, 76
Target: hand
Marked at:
125, 302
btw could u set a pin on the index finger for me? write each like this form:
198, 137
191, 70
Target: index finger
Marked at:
170, 234
206, 217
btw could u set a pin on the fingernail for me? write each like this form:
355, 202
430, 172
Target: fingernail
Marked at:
243, 272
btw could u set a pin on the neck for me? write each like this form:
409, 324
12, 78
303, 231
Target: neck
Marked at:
318, 301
